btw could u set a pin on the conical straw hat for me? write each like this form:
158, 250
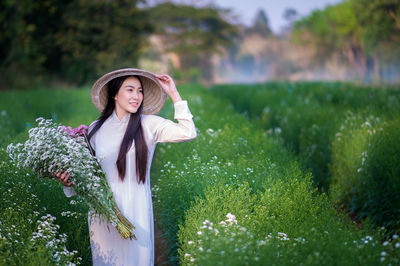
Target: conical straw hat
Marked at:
154, 96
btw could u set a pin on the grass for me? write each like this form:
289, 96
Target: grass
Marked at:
234, 166
330, 127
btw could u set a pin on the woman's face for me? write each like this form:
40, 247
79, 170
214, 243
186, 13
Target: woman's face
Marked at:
129, 97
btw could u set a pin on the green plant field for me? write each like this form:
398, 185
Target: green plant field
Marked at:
25, 198
342, 132
235, 195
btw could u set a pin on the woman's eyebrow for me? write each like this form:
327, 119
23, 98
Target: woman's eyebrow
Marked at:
130, 86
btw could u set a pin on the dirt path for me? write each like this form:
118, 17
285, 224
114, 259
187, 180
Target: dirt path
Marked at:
161, 247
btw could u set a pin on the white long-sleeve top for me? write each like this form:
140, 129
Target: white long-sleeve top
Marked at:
133, 199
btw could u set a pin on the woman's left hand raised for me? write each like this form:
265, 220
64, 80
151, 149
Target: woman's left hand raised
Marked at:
169, 87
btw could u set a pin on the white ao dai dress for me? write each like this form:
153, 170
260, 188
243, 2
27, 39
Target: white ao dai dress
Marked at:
133, 199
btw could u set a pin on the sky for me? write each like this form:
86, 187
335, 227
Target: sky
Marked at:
246, 9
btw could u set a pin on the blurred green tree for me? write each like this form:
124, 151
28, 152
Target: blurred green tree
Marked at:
364, 33
73, 41
261, 24
27, 41
333, 30
290, 14
379, 22
98, 36
194, 33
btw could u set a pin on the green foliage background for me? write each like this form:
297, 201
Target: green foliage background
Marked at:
234, 166
340, 132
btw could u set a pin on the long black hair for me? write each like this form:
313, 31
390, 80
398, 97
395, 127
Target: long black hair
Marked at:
134, 132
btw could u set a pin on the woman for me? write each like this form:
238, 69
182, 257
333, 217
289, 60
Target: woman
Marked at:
124, 137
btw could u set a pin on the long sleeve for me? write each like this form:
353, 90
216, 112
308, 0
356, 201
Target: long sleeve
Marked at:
165, 130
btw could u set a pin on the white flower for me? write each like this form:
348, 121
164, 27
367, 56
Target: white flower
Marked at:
262, 242
283, 236
211, 132
48, 149
231, 218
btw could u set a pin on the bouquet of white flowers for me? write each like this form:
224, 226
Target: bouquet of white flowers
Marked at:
52, 147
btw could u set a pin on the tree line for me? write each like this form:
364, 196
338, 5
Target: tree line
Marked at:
76, 41
364, 34
72, 42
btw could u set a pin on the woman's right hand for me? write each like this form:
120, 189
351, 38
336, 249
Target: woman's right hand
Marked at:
64, 177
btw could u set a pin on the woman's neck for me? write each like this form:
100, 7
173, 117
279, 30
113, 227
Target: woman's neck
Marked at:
120, 113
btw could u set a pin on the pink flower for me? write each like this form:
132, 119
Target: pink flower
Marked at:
81, 130
75, 132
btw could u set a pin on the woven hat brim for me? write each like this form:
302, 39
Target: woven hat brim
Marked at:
154, 96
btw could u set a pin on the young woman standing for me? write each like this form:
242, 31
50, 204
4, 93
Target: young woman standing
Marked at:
124, 139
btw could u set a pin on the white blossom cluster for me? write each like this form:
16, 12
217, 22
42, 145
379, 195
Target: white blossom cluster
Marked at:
47, 234
50, 149
221, 241
35, 233
226, 232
